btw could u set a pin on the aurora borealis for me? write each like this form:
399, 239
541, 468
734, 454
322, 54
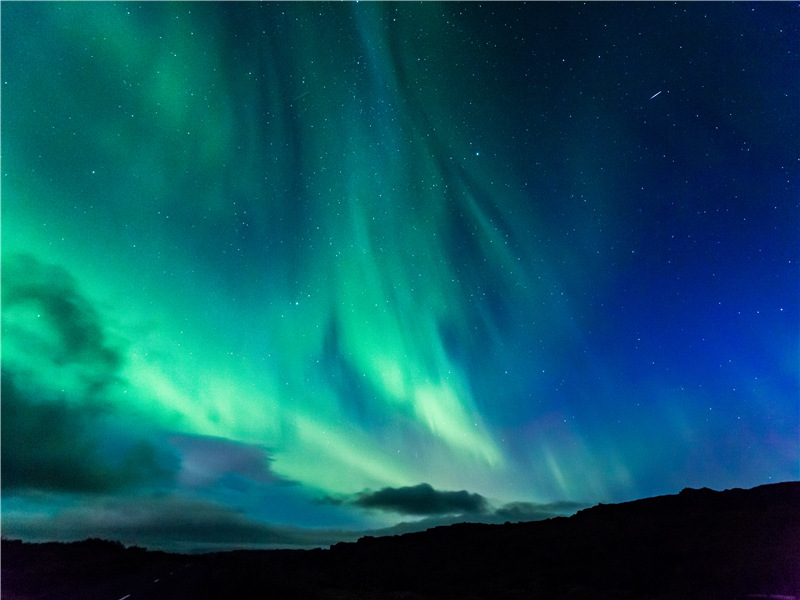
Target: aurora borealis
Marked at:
277, 273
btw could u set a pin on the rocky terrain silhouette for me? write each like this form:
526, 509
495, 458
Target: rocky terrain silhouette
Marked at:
727, 545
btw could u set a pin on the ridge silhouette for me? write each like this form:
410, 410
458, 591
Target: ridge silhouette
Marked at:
728, 545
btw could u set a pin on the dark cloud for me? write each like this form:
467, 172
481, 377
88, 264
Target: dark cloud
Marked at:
179, 523
445, 508
50, 444
421, 499
60, 431
173, 523
185, 524
47, 321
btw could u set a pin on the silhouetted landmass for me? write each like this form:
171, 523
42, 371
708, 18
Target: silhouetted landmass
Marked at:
698, 544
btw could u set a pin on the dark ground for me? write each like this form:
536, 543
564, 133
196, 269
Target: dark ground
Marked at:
698, 544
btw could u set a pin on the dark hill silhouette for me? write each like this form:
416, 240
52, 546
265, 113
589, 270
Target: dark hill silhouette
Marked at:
727, 545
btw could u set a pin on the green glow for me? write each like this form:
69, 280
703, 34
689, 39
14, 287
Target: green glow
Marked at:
338, 458
382, 274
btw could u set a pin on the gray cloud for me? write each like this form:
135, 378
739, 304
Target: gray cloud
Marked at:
421, 499
52, 445
48, 325
59, 429
170, 522
179, 523
209, 461
445, 508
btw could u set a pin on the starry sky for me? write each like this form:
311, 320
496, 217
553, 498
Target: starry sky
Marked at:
276, 275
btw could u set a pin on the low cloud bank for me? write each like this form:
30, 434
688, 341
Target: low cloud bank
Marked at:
423, 500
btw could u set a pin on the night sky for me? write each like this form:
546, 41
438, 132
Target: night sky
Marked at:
283, 274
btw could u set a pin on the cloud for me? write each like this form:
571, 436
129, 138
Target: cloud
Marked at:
421, 499
184, 523
60, 429
50, 444
179, 523
170, 522
50, 330
445, 508
208, 461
